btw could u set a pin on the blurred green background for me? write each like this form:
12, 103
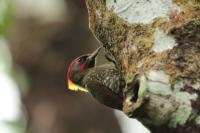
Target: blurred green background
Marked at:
38, 39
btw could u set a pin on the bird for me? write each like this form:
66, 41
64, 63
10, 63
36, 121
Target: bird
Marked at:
96, 74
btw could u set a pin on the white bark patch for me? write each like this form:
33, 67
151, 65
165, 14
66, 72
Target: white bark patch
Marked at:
141, 11
182, 114
158, 82
143, 86
162, 41
197, 120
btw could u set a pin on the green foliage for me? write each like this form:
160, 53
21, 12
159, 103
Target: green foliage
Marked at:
5, 15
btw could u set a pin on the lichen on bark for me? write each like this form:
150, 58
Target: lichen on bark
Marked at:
159, 58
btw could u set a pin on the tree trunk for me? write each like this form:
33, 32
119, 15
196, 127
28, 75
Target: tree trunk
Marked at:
156, 44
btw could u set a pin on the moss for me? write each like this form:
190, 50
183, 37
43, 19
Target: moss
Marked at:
6, 16
116, 35
143, 34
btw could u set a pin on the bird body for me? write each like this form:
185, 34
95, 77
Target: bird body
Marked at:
104, 84
88, 74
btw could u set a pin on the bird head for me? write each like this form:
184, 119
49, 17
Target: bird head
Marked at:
77, 70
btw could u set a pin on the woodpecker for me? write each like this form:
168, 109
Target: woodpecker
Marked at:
87, 73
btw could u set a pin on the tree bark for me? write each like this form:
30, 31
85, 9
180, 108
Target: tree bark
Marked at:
156, 45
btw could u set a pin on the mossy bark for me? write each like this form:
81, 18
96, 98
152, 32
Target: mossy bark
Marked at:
159, 60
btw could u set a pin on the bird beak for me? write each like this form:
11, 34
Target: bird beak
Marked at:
93, 55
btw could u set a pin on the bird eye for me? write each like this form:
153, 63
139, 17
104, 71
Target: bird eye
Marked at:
79, 59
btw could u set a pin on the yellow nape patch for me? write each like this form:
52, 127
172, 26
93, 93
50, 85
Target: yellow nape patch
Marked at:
75, 87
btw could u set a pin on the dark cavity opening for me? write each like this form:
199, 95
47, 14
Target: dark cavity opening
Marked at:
135, 88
